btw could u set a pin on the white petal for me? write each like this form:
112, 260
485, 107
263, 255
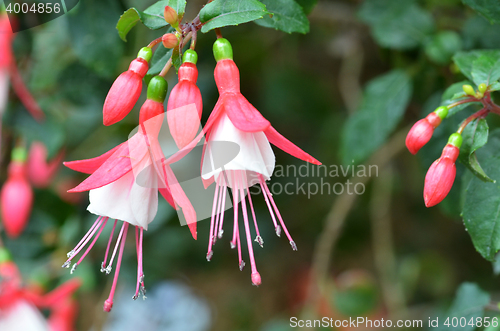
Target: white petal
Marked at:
22, 317
125, 200
255, 153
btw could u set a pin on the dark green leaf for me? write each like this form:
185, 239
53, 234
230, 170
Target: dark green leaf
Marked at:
288, 16
397, 24
92, 29
176, 57
443, 46
158, 8
126, 22
488, 8
453, 94
469, 303
482, 202
384, 102
464, 60
474, 136
486, 69
307, 5
220, 13
159, 59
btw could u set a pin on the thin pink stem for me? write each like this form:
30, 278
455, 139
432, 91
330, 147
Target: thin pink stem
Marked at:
247, 232
72, 252
116, 245
224, 188
103, 265
211, 238
292, 243
276, 226
258, 238
108, 304
105, 220
68, 261
218, 212
140, 273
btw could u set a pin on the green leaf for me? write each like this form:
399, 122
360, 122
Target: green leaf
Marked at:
158, 8
469, 302
487, 8
384, 102
443, 46
474, 136
288, 16
91, 27
159, 59
176, 57
494, 87
485, 69
397, 24
307, 5
220, 13
453, 94
482, 202
126, 22
464, 60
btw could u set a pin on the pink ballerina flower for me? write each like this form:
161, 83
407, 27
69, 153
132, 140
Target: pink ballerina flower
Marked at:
124, 185
235, 120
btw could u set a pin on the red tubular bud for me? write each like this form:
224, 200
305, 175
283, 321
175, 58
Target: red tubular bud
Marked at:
125, 92
169, 40
41, 172
421, 132
150, 109
440, 176
227, 76
6, 37
185, 106
16, 199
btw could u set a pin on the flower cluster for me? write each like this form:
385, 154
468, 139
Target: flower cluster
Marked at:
441, 174
115, 189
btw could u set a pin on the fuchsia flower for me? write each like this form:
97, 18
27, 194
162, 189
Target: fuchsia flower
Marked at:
126, 89
115, 192
441, 174
40, 170
16, 196
421, 132
184, 119
235, 120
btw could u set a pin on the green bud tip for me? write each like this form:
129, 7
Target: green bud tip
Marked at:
145, 53
190, 56
157, 89
4, 255
455, 140
468, 90
482, 87
19, 154
442, 112
222, 50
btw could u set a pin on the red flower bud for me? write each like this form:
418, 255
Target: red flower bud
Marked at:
41, 172
16, 200
440, 176
150, 109
170, 16
169, 40
6, 37
125, 92
185, 106
421, 132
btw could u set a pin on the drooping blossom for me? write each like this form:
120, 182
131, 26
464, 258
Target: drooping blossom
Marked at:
441, 174
124, 185
184, 119
126, 89
421, 132
16, 197
236, 121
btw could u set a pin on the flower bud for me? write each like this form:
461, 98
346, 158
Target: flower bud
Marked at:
170, 16
222, 50
469, 90
16, 197
6, 37
157, 91
421, 132
41, 172
185, 105
126, 89
442, 172
169, 40
482, 87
